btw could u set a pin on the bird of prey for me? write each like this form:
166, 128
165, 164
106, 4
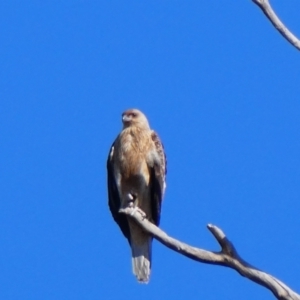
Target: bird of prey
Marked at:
136, 169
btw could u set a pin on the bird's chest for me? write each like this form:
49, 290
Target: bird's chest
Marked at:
133, 156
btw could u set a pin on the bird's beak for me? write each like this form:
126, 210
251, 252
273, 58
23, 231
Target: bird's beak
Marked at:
126, 118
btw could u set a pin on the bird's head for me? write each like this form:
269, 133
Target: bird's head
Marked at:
134, 117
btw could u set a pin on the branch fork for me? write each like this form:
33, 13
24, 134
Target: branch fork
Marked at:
227, 256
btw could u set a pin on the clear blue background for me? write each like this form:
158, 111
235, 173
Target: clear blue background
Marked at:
219, 85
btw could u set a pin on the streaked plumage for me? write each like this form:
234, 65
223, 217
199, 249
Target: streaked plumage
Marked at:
136, 168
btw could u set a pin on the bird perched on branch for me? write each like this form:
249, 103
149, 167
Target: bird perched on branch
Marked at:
136, 169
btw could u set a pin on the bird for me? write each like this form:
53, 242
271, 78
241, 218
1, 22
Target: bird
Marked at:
136, 177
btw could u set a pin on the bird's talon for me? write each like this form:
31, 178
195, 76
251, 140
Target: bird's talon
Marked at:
142, 213
134, 210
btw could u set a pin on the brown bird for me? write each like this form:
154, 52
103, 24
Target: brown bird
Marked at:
136, 168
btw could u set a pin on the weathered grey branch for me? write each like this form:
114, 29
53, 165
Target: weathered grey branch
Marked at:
270, 14
227, 257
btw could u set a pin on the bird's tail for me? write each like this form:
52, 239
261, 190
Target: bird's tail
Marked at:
141, 258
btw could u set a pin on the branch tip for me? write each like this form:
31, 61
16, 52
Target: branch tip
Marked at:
267, 9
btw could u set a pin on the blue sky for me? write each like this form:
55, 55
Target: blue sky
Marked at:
219, 85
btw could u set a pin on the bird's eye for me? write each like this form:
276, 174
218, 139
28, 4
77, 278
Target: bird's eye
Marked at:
133, 114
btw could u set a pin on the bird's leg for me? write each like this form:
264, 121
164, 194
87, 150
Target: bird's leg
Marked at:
131, 197
128, 200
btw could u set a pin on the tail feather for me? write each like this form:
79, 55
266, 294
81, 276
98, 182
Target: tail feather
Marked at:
141, 259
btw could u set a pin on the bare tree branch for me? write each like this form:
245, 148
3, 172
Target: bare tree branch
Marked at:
270, 14
227, 257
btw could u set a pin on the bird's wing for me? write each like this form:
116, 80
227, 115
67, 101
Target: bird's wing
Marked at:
114, 200
157, 178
